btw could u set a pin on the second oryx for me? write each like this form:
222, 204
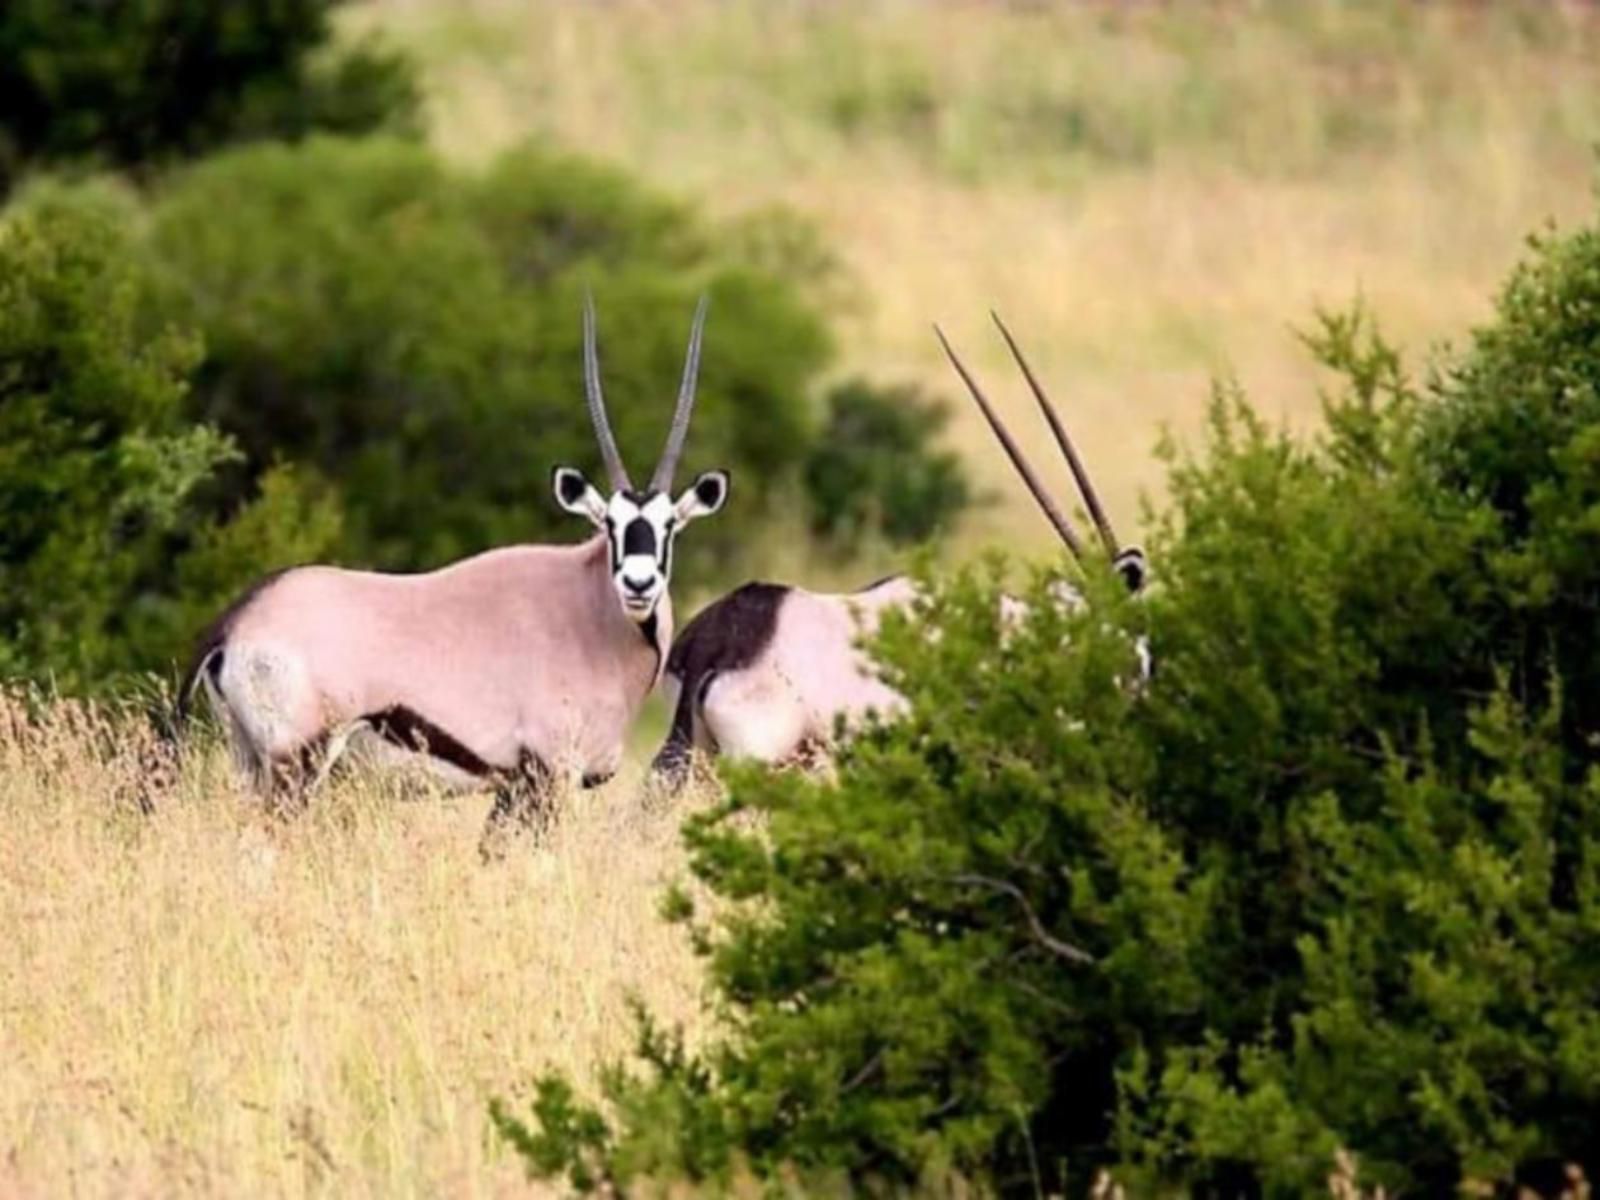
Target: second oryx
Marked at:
770, 671
509, 669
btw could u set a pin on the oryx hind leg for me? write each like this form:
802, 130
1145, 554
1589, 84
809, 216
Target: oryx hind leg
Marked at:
246, 759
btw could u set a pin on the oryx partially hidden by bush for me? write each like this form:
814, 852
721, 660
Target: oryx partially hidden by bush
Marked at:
770, 671
508, 669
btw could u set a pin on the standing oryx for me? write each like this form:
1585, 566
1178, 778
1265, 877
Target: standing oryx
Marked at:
506, 669
768, 671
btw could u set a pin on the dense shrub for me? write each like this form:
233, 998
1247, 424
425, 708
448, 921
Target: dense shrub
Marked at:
1519, 432
142, 81
875, 472
1331, 880
414, 334
99, 468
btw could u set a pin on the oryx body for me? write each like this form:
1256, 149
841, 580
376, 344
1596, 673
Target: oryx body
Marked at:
770, 671
511, 668
512, 658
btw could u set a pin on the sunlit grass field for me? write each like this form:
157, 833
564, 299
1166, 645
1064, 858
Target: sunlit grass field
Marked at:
1152, 194
209, 1001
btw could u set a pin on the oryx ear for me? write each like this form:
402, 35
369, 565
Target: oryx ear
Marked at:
577, 495
707, 494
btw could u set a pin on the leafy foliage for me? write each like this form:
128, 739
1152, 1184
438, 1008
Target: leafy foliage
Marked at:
147, 80
414, 334
1331, 879
875, 471
101, 473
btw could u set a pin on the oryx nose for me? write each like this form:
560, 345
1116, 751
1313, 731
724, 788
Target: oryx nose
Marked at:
637, 586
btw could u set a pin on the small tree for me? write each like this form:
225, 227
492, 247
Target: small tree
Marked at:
143, 81
875, 472
413, 333
96, 460
102, 476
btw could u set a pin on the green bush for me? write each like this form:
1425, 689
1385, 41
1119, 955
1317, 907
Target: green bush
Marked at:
414, 334
101, 473
1519, 432
875, 473
142, 81
1332, 879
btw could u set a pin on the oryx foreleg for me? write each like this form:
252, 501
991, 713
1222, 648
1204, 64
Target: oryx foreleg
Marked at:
522, 799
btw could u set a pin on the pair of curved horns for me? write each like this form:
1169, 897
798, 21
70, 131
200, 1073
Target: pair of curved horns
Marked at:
1091, 500
665, 469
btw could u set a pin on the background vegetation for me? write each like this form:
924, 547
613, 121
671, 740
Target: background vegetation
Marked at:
1351, 826
136, 85
1289, 156
380, 347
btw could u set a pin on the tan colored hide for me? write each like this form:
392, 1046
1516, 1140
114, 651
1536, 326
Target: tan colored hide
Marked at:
521, 650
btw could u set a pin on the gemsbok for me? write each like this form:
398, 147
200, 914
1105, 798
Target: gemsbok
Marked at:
511, 669
771, 672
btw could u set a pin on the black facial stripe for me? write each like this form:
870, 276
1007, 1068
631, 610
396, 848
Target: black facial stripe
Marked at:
611, 545
639, 538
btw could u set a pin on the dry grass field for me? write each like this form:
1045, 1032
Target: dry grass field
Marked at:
210, 1001
207, 1001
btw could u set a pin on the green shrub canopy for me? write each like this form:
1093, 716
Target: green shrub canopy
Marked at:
415, 335
140, 82
101, 474
1331, 880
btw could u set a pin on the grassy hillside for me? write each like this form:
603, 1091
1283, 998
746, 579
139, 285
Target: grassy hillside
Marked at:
1153, 194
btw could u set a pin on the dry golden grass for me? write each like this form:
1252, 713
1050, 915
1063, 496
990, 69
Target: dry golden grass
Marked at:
208, 1001
1152, 194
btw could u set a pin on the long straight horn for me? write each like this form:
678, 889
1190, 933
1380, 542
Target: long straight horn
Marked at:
1068, 535
668, 466
597, 403
1056, 427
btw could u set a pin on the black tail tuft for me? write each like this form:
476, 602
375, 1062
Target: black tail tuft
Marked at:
208, 659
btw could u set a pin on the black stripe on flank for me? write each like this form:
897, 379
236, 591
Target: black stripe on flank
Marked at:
410, 730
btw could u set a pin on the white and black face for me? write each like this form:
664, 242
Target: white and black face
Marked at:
640, 528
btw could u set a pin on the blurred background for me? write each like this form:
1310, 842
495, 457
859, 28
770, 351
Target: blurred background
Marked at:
294, 279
